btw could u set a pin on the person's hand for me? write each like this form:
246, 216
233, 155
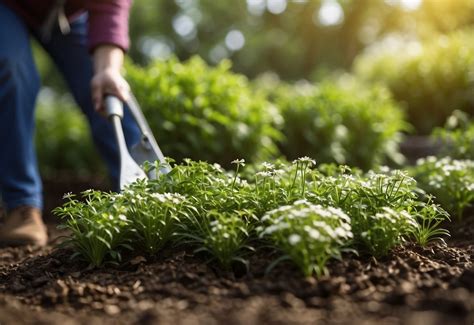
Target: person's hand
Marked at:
108, 82
107, 79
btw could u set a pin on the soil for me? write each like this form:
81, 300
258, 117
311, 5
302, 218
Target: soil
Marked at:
413, 285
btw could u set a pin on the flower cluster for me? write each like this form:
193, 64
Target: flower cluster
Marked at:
451, 181
307, 233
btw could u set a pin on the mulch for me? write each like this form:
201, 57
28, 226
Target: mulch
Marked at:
413, 285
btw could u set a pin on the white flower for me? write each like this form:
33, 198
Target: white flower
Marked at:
68, 195
313, 233
268, 166
294, 239
305, 159
239, 162
301, 202
264, 174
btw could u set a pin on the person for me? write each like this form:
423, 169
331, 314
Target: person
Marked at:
87, 41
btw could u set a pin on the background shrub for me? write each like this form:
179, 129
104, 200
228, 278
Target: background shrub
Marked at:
431, 79
457, 136
63, 141
204, 113
347, 124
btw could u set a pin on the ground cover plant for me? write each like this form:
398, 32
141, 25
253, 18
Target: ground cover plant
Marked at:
308, 234
451, 181
308, 215
449, 177
99, 226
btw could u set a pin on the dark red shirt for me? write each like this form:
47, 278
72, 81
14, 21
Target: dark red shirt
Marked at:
108, 19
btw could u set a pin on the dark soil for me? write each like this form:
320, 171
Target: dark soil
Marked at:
413, 285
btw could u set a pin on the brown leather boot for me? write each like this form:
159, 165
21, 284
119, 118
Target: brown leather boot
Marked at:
23, 226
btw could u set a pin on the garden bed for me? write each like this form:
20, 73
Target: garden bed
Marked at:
412, 285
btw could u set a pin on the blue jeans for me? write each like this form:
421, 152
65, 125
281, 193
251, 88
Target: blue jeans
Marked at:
20, 182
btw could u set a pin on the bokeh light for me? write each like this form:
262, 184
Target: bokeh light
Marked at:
329, 14
276, 6
256, 7
156, 48
184, 26
218, 53
235, 40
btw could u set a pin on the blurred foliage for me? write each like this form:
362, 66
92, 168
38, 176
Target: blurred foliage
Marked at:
432, 79
209, 113
204, 113
62, 139
457, 136
293, 42
347, 123
291, 38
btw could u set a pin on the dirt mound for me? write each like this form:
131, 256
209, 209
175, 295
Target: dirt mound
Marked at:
412, 285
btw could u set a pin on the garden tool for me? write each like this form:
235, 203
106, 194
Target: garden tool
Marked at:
146, 150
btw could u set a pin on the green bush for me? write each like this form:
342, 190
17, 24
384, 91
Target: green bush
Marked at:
204, 113
350, 124
63, 141
431, 80
457, 136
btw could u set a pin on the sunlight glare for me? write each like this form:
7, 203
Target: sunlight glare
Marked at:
410, 5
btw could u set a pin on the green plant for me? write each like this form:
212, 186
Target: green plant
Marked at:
222, 213
345, 124
204, 113
99, 227
308, 234
451, 182
63, 141
222, 234
429, 218
383, 207
432, 79
457, 136
384, 230
154, 216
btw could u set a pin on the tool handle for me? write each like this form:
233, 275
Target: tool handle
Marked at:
113, 107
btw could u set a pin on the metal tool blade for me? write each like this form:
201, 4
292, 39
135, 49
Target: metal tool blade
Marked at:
130, 171
147, 149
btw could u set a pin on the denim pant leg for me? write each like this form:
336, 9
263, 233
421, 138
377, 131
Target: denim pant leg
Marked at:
20, 183
70, 54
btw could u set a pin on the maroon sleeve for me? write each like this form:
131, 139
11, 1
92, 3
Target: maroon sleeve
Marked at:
108, 22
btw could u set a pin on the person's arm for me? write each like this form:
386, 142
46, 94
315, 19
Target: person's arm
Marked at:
108, 80
108, 41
